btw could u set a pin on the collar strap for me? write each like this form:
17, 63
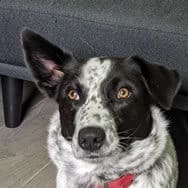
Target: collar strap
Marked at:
122, 182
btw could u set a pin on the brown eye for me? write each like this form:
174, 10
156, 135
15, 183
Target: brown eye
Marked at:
123, 93
73, 95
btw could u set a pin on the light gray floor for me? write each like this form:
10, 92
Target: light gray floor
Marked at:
24, 161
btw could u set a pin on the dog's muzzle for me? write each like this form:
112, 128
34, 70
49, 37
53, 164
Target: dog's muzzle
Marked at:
91, 138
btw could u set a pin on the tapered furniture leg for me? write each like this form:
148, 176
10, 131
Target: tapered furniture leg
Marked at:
12, 90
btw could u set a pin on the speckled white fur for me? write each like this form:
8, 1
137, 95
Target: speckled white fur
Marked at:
92, 112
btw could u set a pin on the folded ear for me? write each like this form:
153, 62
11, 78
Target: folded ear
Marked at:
162, 83
45, 60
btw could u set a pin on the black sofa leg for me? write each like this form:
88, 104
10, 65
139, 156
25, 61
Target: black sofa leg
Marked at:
12, 90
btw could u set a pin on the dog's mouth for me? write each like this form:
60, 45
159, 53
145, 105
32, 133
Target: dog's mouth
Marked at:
93, 156
96, 157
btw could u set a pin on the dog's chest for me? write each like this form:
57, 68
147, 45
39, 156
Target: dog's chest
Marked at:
160, 175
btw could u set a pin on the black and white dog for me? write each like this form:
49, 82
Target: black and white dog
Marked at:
109, 124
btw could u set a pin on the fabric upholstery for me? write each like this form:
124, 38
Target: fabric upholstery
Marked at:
156, 30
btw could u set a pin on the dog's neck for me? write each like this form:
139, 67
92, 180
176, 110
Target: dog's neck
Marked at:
141, 156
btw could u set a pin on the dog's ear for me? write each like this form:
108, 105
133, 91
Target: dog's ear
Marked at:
162, 83
45, 60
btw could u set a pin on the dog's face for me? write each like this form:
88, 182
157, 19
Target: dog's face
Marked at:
104, 103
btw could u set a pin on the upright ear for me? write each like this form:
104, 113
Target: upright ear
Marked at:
162, 83
45, 60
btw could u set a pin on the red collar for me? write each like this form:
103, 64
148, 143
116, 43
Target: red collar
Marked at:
122, 182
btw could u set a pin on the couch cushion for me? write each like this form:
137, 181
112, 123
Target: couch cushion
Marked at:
169, 16
156, 30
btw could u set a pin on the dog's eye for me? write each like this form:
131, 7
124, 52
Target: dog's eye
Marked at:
73, 95
123, 93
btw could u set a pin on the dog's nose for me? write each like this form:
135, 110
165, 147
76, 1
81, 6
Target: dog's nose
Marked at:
91, 138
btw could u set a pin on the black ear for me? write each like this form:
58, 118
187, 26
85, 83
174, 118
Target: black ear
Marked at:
45, 60
162, 83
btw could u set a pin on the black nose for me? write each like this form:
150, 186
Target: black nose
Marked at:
91, 138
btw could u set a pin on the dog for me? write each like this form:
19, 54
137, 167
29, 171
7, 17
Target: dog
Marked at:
110, 130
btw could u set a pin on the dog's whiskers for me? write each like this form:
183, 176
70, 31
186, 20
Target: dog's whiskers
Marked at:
122, 146
125, 131
135, 130
128, 137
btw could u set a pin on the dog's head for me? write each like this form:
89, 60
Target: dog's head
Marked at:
104, 103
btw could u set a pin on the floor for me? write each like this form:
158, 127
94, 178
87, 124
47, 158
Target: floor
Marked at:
24, 161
